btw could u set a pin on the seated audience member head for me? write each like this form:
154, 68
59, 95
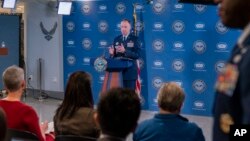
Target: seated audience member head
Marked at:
118, 111
170, 98
13, 79
3, 125
78, 94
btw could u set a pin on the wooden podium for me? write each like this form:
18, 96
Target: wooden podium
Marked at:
113, 75
3, 51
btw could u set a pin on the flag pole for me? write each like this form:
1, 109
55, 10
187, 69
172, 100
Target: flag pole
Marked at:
134, 19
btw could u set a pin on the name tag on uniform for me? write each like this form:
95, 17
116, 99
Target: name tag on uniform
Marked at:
130, 44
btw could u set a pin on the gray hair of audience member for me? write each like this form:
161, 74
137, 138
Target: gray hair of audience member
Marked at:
170, 97
3, 125
13, 77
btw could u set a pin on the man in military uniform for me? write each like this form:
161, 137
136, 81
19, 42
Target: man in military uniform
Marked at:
127, 46
233, 85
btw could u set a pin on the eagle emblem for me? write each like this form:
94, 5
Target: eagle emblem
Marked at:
48, 34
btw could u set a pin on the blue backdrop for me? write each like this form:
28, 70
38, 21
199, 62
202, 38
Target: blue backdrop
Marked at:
184, 43
10, 35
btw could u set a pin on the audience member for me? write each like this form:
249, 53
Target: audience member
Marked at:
168, 124
75, 116
3, 125
233, 92
19, 115
117, 113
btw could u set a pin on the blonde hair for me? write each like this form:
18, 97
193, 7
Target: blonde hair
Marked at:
170, 97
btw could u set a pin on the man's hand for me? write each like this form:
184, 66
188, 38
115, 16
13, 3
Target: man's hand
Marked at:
111, 50
120, 49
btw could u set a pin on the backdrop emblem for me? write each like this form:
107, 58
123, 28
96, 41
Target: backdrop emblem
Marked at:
178, 65
220, 28
100, 64
178, 27
178, 45
219, 66
199, 105
103, 26
199, 86
70, 26
71, 59
199, 46
158, 7
86, 9
120, 8
158, 45
157, 82
86, 43
199, 8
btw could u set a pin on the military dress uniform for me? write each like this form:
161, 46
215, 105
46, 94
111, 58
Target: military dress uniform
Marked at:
132, 45
233, 90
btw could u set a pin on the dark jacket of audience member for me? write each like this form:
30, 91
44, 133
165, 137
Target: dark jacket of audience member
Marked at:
117, 113
75, 115
3, 125
168, 124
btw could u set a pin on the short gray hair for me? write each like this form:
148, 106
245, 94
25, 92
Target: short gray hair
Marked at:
170, 97
13, 77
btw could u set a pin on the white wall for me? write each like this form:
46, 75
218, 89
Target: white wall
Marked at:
36, 46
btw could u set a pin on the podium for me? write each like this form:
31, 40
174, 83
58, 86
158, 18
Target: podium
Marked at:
113, 75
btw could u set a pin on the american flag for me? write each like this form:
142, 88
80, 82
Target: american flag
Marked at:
138, 80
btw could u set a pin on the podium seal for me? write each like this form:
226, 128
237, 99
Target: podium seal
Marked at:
100, 64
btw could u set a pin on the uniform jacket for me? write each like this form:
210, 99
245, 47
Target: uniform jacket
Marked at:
132, 49
237, 105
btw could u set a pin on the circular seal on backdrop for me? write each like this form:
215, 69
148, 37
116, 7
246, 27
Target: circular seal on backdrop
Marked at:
178, 65
220, 66
199, 86
220, 28
178, 26
100, 64
158, 45
70, 26
139, 26
157, 82
199, 46
199, 8
86, 43
120, 8
158, 8
86, 9
103, 26
71, 59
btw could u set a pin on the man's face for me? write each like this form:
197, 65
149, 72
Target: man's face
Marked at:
233, 13
125, 28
